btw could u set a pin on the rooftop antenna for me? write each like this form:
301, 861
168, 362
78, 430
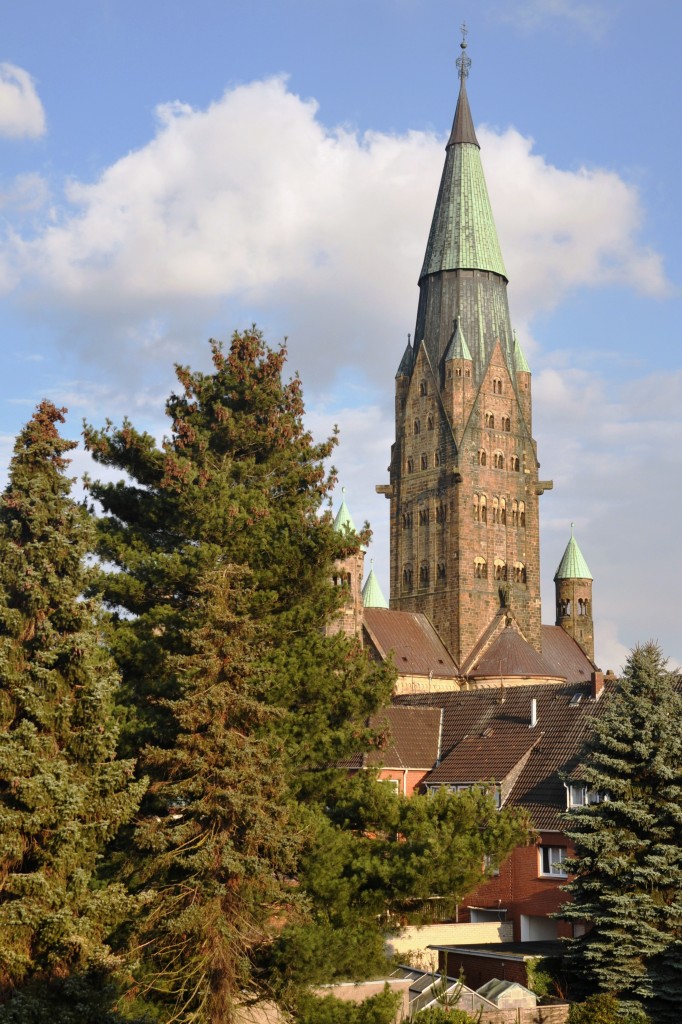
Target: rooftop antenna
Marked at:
463, 61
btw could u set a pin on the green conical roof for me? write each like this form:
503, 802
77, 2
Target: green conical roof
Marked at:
573, 565
407, 362
458, 348
520, 362
343, 518
372, 594
463, 233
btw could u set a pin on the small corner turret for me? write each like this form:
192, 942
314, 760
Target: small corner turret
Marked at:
573, 585
348, 573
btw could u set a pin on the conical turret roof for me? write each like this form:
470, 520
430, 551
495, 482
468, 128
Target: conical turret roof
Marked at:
407, 362
463, 233
343, 519
458, 348
573, 565
520, 362
372, 594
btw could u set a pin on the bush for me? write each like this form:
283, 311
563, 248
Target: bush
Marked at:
604, 1009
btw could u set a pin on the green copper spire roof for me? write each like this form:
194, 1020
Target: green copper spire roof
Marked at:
407, 362
519, 359
372, 594
463, 234
573, 566
343, 518
458, 348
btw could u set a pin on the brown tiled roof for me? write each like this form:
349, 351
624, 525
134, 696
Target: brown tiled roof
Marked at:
412, 737
565, 655
488, 755
510, 655
412, 640
563, 724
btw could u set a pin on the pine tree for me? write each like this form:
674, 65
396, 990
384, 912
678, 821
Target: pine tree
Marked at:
241, 703
628, 862
63, 792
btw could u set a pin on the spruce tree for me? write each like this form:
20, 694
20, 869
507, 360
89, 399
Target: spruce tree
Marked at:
628, 862
63, 792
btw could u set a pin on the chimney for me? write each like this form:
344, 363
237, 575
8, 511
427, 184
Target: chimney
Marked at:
597, 685
533, 713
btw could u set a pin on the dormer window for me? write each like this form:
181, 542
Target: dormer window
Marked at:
579, 795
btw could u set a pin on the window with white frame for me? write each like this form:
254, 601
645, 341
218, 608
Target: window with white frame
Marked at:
552, 861
393, 783
580, 796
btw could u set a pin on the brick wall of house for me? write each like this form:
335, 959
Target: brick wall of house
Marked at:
522, 890
408, 779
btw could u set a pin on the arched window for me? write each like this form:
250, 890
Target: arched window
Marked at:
423, 516
424, 574
503, 511
500, 569
496, 510
458, 371
417, 427
429, 423
407, 576
441, 571
441, 513
407, 520
482, 457
424, 461
519, 572
449, 373
484, 508
515, 512
522, 513
436, 459
423, 390
497, 386
514, 463
477, 509
467, 373
489, 420
480, 568
498, 460
410, 465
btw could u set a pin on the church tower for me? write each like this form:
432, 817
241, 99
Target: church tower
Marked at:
464, 483
573, 585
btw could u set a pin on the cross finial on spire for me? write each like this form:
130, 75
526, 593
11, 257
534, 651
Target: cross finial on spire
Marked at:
463, 62
572, 528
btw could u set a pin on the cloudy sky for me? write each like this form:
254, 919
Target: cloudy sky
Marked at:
172, 171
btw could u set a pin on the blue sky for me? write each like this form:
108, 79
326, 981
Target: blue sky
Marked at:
170, 172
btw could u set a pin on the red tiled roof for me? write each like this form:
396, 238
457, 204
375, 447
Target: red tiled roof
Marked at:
488, 755
412, 737
412, 640
565, 655
563, 725
510, 655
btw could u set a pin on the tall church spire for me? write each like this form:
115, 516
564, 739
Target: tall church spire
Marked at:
463, 238
464, 471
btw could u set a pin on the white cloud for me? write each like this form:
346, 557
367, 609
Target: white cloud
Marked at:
589, 16
21, 112
253, 204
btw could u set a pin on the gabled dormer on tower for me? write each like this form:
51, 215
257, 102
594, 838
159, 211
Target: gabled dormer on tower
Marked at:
464, 484
573, 584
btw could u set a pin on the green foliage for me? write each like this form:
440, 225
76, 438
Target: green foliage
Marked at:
444, 1015
242, 704
603, 1009
372, 853
628, 863
63, 792
379, 1009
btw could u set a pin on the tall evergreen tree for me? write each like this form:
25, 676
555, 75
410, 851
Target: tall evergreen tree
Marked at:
240, 702
628, 862
63, 792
